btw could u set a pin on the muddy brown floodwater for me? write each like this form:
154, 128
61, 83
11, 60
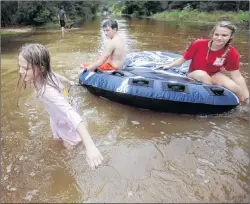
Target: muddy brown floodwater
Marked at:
148, 156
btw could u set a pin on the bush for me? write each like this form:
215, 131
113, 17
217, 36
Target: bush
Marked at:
244, 16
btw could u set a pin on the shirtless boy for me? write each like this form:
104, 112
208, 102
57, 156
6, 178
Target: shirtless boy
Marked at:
114, 54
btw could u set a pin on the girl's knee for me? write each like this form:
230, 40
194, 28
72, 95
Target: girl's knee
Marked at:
234, 87
226, 82
201, 76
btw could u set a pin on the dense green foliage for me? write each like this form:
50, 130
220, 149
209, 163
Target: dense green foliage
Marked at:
41, 12
240, 17
146, 8
45, 12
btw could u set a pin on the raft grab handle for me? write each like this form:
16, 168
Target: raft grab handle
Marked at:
141, 82
215, 91
118, 73
174, 86
97, 70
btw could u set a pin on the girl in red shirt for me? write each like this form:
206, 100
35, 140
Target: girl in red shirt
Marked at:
209, 56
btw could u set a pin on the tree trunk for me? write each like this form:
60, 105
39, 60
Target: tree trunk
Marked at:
237, 6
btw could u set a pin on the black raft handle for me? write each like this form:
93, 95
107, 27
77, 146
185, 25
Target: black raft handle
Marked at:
217, 91
140, 81
177, 87
117, 73
97, 70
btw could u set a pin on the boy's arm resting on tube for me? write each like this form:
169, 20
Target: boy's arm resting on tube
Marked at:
175, 63
53, 97
105, 55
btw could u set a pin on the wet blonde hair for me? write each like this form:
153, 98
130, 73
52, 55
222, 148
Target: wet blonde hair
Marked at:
37, 55
228, 25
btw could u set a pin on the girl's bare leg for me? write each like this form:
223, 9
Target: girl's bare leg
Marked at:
201, 76
223, 80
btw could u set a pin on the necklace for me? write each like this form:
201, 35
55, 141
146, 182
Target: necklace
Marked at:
208, 50
209, 47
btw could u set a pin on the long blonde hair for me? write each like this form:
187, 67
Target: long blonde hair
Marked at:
37, 55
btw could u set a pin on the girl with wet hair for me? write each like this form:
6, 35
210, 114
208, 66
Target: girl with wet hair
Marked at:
66, 124
210, 55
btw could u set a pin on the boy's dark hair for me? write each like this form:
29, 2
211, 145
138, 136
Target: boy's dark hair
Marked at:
61, 7
110, 23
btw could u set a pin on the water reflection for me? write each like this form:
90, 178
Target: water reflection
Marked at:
149, 157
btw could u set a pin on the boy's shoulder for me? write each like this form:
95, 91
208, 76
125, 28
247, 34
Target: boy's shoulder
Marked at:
118, 39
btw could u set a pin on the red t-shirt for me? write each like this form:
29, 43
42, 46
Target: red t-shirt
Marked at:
197, 51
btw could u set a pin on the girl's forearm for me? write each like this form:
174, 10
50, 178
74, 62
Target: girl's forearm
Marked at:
96, 64
177, 62
63, 79
84, 134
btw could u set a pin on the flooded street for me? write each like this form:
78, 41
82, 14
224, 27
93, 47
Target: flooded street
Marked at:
148, 156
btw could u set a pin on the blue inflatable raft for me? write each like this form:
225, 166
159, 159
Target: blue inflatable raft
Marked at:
142, 85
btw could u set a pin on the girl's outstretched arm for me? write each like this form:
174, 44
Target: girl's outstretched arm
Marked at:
64, 80
94, 157
56, 102
175, 63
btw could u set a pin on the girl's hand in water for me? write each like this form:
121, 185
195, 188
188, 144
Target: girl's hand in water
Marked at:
67, 88
71, 83
245, 102
94, 157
